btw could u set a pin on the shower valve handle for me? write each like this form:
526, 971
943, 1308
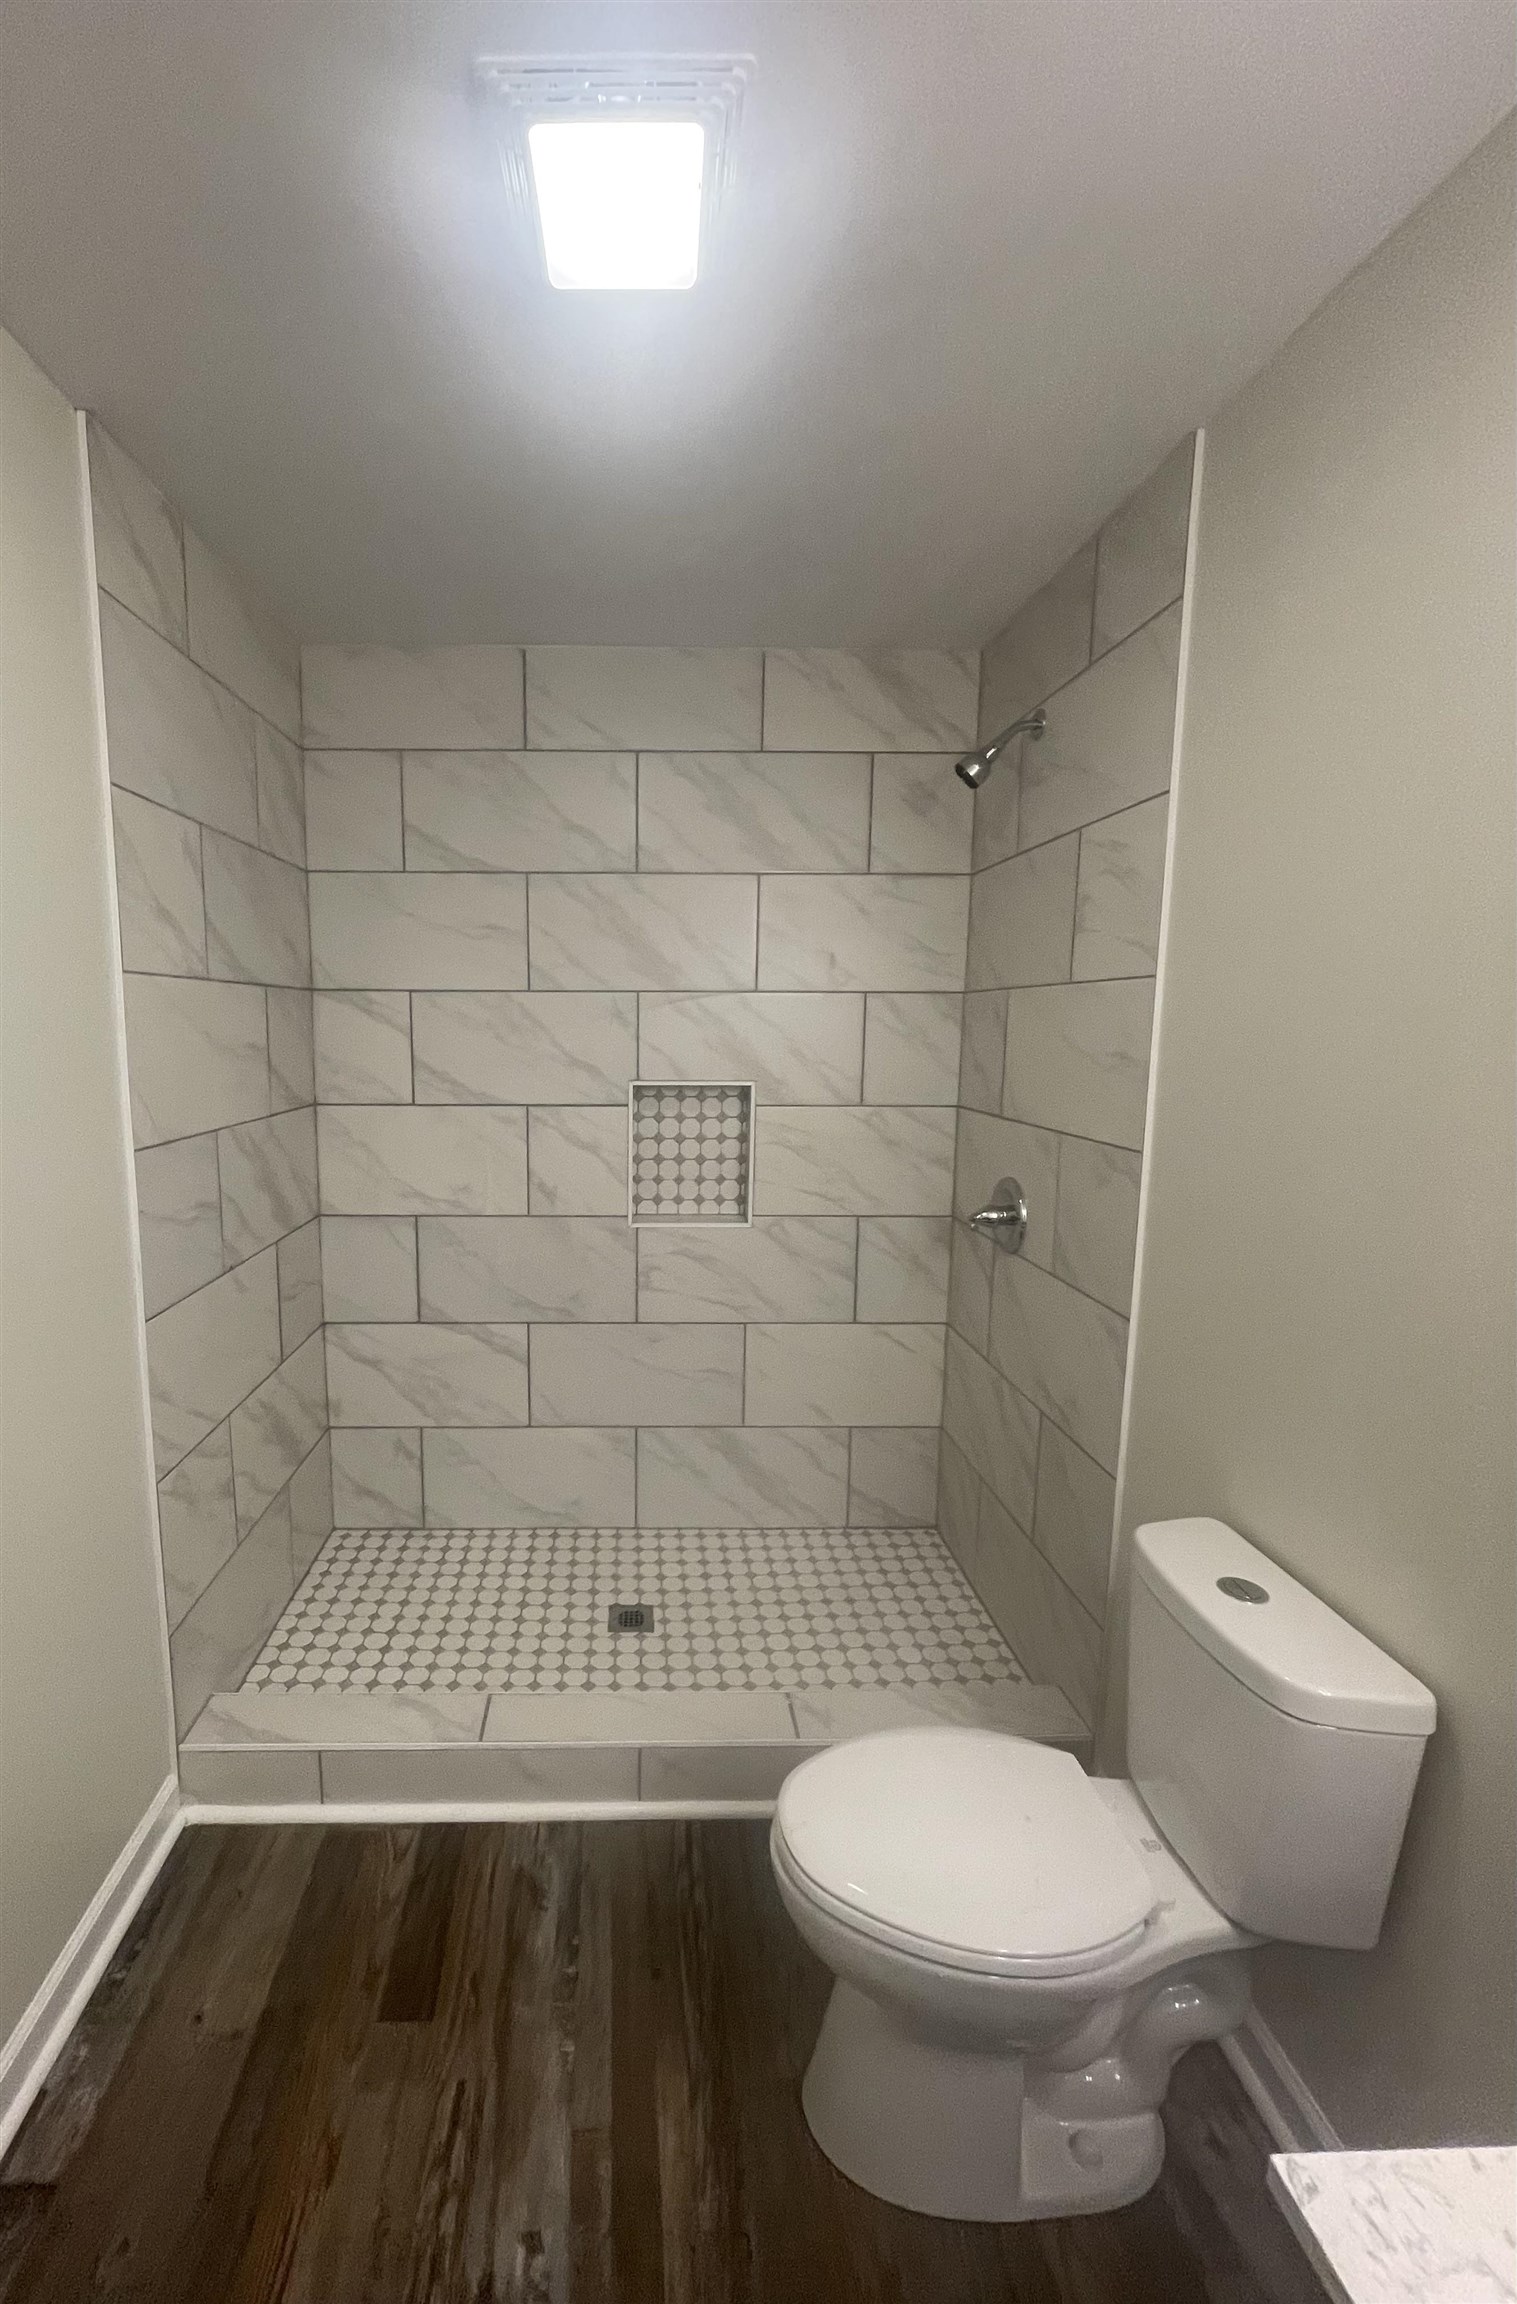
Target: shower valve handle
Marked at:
1004, 1219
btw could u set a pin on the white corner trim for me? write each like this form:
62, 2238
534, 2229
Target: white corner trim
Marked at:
1276, 2089
28, 2055
464, 1811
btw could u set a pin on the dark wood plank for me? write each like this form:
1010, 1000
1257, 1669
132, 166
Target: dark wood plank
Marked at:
410, 1993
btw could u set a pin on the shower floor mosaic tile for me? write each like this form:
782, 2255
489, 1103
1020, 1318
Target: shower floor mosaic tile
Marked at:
526, 1609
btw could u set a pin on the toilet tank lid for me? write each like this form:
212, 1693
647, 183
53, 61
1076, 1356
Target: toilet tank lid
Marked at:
1290, 1648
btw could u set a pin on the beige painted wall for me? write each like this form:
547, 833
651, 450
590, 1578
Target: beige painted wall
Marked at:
85, 1738
1323, 1345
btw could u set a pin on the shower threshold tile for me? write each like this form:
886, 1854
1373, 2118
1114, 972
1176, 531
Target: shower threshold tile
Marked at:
642, 1716
315, 1718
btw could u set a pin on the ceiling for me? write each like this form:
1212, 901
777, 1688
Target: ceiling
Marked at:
982, 264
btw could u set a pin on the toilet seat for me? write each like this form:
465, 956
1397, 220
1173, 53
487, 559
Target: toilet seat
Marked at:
976, 1851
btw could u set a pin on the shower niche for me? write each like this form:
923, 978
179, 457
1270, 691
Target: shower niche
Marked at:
690, 1152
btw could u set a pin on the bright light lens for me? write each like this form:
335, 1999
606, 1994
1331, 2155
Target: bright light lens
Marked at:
619, 201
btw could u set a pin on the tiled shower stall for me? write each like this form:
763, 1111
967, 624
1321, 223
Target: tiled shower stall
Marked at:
400, 930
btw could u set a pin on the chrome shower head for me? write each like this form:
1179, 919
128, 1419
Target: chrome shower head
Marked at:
976, 766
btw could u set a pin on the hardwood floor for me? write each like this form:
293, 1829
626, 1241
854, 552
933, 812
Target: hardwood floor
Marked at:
557, 2064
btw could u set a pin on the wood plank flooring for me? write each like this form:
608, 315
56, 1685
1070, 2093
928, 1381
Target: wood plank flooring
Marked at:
556, 2064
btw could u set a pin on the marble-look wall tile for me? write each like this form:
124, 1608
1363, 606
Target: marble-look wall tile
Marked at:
982, 1063
832, 1160
197, 1521
970, 1272
644, 699
139, 538
893, 1478
405, 931
178, 1219
175, 736
994, 1426
898, 700
1046, 643
233, 636
795, 1047
922, 816
638, 1373
990, 1149
524, 1047
1063, 1351
542, 1478
311, 1517
292, 1049
229, 1623
197, 1056
300, 1299
481, 1772
441, 1160
1054, 1637
998, 809
376, 1478
206, 1354
911, 1047
753, 812
903, 1268
857, 1374
577, 1159
751, 1772
281, 794
1141, 556
363, 1047
676, 932
742, 1479
368, 1267
258, 928
520, 811
268, 1180
1022, 918
1077, 1058
158, 889
249, 1778
1096, 1234
527, 1268
958, 1516
1109, 738
778, 1268
354, 820
890, 932
1072, 1519
1121, 891
467, 698
275, 1429
398, 1374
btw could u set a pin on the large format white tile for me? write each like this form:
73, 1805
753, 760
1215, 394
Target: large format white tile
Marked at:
372, 1717
577, 1159
903, 1268
397, 1374
1046, 643
638, 1373
257, 924
524, 1047
1064, 1352
159, 892
982, 1062
996, 1429
1109, 736
969, 1279
1096, 1233
795, 1047
893, 1477
448, 931
1121, 892
300, 1300
998, 809
641, 1716
826, 1160
1022, 918
139, 538
268, 1180
235, 637
172, 734
753, 812
482, 1772
437, 1160
716, 1771
1054, 1637
235, 1614
368, 1267
897, 700
527, 1268
777, 1268
376, 1477
886, 932
911, 1047
465, 697
311, 1506
248, 1779
742, 1479
545, 1477
292, 1052
959, 1490
281, 794
922, 817
197, 1521
275, 1429
1073, 1515
644, 698
520, 811
363, 1047
1077, 1058
990, 1149
848, 1374
197, 1056
675, 932
353, 812
1140, 566
178, 1219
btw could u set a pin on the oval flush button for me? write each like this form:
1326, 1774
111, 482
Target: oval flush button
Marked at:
1239, 1588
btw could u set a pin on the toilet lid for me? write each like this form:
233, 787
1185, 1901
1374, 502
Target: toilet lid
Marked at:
976, 1849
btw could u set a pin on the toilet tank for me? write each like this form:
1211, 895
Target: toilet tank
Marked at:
1275, 1747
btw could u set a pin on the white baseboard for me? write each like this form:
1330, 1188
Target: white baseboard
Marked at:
1276, 2089
28, 2055
462, 1811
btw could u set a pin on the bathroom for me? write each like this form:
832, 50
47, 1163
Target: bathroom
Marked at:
758, 996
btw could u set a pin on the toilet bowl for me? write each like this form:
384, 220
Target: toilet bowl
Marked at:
1021, 1951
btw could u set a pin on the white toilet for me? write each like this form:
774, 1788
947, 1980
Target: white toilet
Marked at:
1022, 1951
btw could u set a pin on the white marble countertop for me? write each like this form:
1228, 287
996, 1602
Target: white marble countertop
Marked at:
1406, 2227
